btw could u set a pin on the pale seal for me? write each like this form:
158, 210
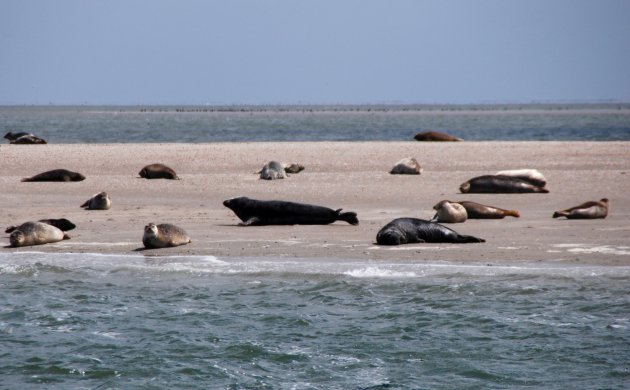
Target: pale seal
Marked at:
277, 212
56, 175
406, 166
498, 184
158, 171
449, 212
100, 201
273, 170
414, 230
481, 211
587, 210
60, 223
435, 136
36, 233
164, 235
531, 175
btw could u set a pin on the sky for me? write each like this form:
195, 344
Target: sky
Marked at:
313, 52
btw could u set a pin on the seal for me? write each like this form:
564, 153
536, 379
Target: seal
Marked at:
277, 212
273, 170
28, 139
531, 175
61, 224
481, 211
100, 201
293, 167
587, 210
435, 136
36, 233
449, 212
406, 166
158, 171
498, 184
56, 175
414, 230
164, 235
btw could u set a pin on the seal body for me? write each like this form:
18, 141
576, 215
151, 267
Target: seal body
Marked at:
11, 136
531, 175
435, 136
273, 170
498, 184
100, 201
450, 212
406, 166
481, 211
36, 233
293, 167
414, 230
56, 175
158, 171
164, 235
29, 139
61, 224
277, 212
587, 210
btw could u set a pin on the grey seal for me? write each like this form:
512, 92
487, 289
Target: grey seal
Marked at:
414, 230
435, 136
36, 233
164, 235
273, 170
450, 212
499, 184
533, 176
60, 223
56, 175
100, 201
406, 166
278, 212
158, 171
587, 210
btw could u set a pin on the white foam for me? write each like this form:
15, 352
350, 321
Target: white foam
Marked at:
589, 248
375, 272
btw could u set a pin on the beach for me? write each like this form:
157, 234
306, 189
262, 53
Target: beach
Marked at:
349, 175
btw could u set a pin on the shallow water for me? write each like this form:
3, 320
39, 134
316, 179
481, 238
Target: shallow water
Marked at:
109, 321
85, 124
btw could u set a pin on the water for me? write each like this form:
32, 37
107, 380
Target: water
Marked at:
95, 322
85, 124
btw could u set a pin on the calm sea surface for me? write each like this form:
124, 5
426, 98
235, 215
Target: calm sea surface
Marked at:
89, 321
86, 124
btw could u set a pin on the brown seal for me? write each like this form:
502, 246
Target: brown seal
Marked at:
435, 136
481, 211
56, 175
164, 235
587, 210
36, 233
450, 212
158, 171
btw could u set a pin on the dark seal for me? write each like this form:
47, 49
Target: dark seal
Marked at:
435, 136
158, 171
414, 230
277, 212
56, 175
499, 184
60, 223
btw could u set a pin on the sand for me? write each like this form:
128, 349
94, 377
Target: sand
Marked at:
349, 175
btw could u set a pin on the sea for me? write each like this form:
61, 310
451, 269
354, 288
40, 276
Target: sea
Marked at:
129, 321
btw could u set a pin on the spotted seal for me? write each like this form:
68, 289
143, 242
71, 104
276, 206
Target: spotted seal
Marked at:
414, 230
587, 210
498, 184
406, 166
164, 235
36, 233
278, 212
449, 212
273, 170
533, 176
60, 223
100, 201
481, 211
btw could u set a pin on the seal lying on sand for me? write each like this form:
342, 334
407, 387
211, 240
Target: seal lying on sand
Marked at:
158, 171
100, 201
61, 224
23, 138
56, 175
164, 235
450, 212
587, 210
531, 175
481, 211
11, 136
293, 167
435, 136
273, 170
406, 166
36, 233
498, 184
277, 212
414, 230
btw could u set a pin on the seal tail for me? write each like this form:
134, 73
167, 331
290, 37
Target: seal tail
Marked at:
349, 217
559, 214
467, 239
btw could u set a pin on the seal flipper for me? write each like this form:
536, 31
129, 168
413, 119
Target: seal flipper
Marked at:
10, 229
464, 239
349, 217
250, 222
86, 204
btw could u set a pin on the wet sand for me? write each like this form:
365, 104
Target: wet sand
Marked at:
353, 176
